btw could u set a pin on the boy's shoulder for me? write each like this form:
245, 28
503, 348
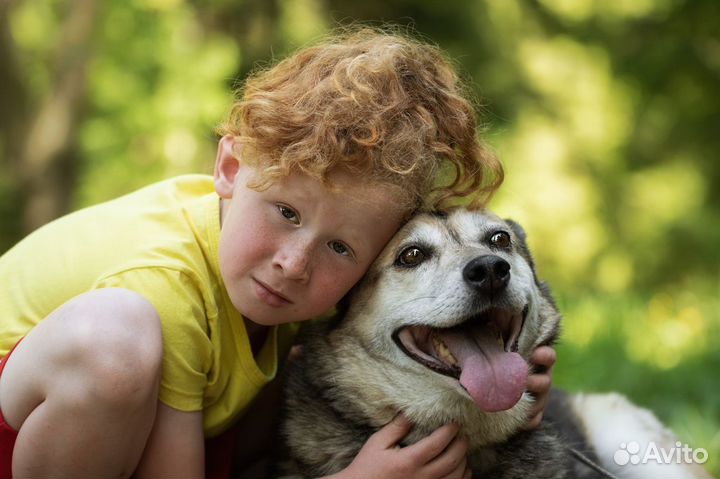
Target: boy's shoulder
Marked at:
172, 225
178, 188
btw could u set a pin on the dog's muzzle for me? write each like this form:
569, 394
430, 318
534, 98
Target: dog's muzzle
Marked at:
481, 352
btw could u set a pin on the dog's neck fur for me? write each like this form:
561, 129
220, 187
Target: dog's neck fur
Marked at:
378, 398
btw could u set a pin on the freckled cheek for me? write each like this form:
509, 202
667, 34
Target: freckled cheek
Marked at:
246, 248
332, 287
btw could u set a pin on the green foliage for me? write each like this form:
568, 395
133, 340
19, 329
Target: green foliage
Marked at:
155, 99
657, 349
604, 113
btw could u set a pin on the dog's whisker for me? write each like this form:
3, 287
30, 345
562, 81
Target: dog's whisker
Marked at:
420, 298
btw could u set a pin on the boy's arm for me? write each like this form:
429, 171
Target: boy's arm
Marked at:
176, 447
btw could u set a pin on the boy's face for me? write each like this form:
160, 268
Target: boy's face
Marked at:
290, 252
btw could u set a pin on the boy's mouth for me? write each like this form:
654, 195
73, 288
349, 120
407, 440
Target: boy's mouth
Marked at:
270, 296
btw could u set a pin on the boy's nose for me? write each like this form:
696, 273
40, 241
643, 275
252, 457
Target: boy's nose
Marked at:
294, 261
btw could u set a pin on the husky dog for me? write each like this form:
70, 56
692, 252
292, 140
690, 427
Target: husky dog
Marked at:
441, 328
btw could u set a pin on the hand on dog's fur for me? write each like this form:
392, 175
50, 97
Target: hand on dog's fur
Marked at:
539, 383
443, 454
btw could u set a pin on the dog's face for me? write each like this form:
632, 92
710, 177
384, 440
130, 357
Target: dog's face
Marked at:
451, 311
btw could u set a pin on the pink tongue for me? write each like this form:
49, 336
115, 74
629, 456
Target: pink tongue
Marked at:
494, 378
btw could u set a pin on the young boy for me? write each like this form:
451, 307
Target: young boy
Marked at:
145, 324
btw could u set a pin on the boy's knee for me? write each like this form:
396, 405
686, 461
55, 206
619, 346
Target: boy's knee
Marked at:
116, 343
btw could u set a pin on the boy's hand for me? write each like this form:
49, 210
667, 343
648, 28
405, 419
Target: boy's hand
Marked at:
440, 455
539, 383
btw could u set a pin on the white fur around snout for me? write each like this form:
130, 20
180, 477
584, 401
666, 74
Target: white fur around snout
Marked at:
434, 293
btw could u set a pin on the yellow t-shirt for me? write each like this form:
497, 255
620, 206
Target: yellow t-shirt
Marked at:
162, 242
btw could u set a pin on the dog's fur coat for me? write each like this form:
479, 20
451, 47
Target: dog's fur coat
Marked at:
444, 275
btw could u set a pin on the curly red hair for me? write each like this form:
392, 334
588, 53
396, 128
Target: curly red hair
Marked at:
382, 106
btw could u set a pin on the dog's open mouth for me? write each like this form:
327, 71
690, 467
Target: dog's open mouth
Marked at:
481, 353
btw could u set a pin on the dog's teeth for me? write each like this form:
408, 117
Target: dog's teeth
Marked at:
443, 352
498, 335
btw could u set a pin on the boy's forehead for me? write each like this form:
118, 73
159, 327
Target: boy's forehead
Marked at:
372, 202
341, 186
367, 190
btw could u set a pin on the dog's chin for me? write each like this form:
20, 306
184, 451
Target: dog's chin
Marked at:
480, 352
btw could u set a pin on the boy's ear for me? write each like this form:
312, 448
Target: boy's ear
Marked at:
227, 166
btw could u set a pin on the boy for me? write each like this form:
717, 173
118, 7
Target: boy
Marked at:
142, 325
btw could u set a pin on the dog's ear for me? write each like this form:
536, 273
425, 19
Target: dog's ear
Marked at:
524, 251
517, 229
520, 234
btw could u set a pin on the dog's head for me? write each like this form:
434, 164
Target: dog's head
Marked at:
451, 310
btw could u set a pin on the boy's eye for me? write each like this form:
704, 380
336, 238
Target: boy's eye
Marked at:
339, 248
288, 214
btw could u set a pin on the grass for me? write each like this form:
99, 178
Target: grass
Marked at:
660, 350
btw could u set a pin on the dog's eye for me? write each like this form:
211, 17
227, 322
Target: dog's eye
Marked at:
501, 239
411, 256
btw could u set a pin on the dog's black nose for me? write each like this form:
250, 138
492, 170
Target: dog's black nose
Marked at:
490, 274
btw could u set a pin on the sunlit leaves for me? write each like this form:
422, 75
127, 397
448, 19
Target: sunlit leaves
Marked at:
160, 82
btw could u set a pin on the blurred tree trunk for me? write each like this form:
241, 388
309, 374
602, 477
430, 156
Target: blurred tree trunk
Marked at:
13, 119
253, 24
38, 135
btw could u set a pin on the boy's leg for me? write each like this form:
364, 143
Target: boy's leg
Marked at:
7, 434
81, 388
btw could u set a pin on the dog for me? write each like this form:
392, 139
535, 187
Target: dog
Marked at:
441, 329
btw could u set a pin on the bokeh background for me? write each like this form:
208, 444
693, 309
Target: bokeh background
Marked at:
606, 114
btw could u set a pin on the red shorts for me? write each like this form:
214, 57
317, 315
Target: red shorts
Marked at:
8, 435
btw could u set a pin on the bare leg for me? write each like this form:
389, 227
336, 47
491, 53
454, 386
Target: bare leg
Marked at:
82, 387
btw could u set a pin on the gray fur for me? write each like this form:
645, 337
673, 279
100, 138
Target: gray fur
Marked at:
353, 378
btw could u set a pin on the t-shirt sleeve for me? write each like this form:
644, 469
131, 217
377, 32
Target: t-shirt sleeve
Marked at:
187, 350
